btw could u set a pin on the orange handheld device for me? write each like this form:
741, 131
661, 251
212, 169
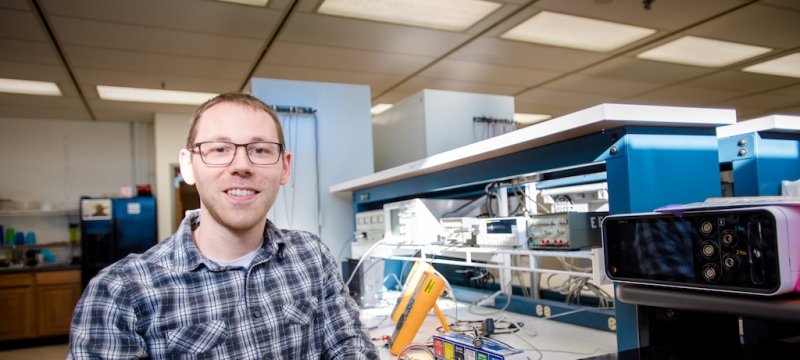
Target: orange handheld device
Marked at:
419, 268
427, 291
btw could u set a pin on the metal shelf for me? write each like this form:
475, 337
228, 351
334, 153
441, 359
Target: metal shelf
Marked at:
28, 213
783, 308
500, 258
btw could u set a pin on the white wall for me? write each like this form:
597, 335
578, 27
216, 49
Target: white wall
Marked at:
433, 121
345, 148
170, 138
58, 161
399, 133
449, 117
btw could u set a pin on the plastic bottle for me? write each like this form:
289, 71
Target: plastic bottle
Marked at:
30, 238
10, 236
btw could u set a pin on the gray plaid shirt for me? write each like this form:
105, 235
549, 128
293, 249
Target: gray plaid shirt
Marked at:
172, 302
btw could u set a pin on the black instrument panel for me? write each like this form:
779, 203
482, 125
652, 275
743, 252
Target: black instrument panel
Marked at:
728, 250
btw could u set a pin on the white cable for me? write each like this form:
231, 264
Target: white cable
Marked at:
366, 254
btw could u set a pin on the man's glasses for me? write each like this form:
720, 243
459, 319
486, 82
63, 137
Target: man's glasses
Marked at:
221, 153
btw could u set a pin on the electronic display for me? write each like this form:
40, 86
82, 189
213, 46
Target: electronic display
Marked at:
735, 250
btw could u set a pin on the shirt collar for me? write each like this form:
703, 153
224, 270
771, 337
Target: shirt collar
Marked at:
188, 257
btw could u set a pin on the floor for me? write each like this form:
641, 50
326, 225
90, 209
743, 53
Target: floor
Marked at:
50, 352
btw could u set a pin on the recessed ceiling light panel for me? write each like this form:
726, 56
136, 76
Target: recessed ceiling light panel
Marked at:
117, 93
379, 108
692, 50
528, 119
788, 65
259, 3
452, 15
29, 87
575, 32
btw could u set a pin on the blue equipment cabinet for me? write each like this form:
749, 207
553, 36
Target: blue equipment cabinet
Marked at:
653, 156
760, 153
112, 228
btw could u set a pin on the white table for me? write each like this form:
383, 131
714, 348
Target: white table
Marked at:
539, 338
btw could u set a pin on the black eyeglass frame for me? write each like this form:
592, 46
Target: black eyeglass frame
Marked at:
196, 149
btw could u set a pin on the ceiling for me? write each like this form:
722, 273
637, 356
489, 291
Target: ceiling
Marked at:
211, 46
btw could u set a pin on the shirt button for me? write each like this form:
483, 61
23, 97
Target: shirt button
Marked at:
256, 314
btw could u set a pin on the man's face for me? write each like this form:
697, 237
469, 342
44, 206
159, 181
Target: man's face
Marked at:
236, 196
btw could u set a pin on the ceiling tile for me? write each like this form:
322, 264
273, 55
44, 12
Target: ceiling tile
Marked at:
369, 35
664, 15
378, 82
213, 17
30, 71
323, 57
554, 110
647, 71
682, 95
487, 73
600, 85
793, 90
38, 112
28, 51
418, 83
154, 81
154, 64
516, 53
107, 35
755, 24
32, 106
21, 25
770, 100
794, 4
38, 100
116, 114
576, 100
740, 82
15, 4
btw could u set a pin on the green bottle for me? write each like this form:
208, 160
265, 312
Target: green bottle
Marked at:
10, 233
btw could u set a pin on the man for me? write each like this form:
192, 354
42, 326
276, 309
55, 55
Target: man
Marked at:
228, 284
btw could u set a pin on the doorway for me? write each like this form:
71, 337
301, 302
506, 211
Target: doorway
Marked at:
185, 195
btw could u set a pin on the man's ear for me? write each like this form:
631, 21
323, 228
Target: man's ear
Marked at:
187, 171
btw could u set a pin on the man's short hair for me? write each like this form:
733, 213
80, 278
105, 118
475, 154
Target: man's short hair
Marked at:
236, 98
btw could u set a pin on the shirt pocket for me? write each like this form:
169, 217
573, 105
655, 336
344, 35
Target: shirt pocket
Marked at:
300, 312
197, 338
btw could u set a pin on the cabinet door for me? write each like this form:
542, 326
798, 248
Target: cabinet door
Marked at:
18, 313
57, 293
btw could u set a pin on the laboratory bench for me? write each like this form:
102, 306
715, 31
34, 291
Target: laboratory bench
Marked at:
537, 337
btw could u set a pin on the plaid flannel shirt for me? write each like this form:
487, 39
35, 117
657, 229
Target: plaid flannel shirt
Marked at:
172, 302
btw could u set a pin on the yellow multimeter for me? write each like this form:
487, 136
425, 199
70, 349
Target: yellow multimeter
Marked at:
425, 292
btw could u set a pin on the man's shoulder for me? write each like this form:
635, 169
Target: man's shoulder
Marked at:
161, 255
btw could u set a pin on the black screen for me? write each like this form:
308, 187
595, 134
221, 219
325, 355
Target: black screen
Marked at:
725, 249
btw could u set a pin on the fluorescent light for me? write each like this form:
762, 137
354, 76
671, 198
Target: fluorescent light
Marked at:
528, 119
117, 93
453, 15
692, 50
788, 65
29, 87
575, 32
261, 3
379, 108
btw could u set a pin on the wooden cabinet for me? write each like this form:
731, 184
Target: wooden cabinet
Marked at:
38, 304
57, 292
16, 303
